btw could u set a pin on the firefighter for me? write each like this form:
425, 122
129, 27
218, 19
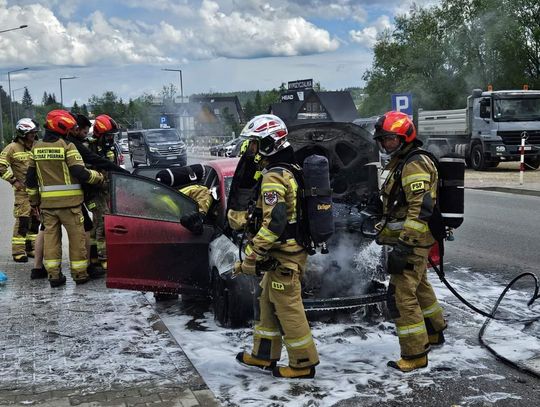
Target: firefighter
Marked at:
14, 161
98, 163
273, 252
188, 180
104, 130
53, 182
409, 195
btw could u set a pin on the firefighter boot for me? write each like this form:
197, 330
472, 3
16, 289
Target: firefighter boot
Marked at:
436, 339
57, 282
20, 258
288, 372
82, 280
38, 273
408, 365
95, 271
247, 359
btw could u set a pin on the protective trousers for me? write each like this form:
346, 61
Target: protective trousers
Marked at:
73, 221
414, 307
26, 226
99, 208
282, 316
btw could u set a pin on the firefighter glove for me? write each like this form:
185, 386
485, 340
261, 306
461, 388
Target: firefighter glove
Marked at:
247, 266
398, 258
193, 222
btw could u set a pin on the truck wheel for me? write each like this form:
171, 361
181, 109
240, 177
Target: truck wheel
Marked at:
532, 163
478, 162
233, 300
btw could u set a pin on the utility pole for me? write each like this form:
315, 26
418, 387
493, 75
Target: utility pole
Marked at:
181, 86
61, 94
11, 101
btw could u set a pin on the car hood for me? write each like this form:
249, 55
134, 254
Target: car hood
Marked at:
348, 148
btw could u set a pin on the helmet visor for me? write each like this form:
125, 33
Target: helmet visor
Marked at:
388, 142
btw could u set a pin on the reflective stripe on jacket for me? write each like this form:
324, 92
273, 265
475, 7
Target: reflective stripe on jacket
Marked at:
56, 167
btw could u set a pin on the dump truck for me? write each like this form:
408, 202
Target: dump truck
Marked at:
488, 131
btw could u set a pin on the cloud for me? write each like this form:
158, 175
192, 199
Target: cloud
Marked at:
368, 35
99, 39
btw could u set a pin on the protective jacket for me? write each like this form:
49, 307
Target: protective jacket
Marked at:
55, 172
408, 207
93, 159
275, 214
14, 160
200, 194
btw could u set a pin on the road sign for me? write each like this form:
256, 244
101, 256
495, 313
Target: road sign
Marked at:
301, 84
402, 102
163, 122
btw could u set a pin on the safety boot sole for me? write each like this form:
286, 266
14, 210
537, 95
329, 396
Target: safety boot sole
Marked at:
240, 360
287, 372
38, 273
20, 259
58, 282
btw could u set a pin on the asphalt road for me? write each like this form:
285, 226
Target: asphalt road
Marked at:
499, 234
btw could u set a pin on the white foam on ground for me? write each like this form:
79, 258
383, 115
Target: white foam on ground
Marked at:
354, 354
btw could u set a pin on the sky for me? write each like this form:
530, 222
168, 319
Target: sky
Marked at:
220, 45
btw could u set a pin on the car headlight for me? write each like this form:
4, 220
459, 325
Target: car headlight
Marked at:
153, 149
500, 149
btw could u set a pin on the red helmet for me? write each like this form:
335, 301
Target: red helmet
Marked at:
104, 124
60, 121
395, 123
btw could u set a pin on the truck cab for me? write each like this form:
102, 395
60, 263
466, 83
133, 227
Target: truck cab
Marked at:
489, 130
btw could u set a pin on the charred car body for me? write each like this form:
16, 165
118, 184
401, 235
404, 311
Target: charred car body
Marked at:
150, 250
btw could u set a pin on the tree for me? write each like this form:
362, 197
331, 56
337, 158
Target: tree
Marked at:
249, 110
259, 109
44, 98
168, 92
27, 101
75, 108
51, 100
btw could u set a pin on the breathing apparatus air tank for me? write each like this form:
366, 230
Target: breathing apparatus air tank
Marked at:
452, 190
318, 199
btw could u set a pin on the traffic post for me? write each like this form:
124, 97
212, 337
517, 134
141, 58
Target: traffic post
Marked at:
524, 137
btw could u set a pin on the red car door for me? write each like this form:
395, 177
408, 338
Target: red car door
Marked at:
147, 247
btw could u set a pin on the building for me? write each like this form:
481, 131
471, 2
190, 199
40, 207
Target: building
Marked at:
303, 104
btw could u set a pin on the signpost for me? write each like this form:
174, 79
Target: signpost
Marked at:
301, 84
402, 102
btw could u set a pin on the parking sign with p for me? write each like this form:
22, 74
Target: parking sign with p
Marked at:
402, 102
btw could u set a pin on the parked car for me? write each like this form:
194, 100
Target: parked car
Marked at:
124, 145
149, 250
156, 147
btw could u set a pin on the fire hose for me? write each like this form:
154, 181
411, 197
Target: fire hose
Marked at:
491, 315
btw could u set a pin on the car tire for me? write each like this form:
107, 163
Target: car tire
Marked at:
133, 163
233, 300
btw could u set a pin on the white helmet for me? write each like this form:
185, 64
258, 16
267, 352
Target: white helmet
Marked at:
269, 131
25, 126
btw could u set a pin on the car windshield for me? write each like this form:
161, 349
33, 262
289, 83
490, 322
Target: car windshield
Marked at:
162, 136
517, 109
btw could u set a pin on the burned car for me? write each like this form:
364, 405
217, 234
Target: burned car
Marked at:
149, 250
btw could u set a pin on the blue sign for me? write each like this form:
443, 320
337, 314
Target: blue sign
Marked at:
163, 120
402, 102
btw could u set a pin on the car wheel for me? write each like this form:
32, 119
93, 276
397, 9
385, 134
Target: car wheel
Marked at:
233, 300
133, 163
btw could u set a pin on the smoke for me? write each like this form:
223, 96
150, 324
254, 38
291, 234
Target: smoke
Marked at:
347, 270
